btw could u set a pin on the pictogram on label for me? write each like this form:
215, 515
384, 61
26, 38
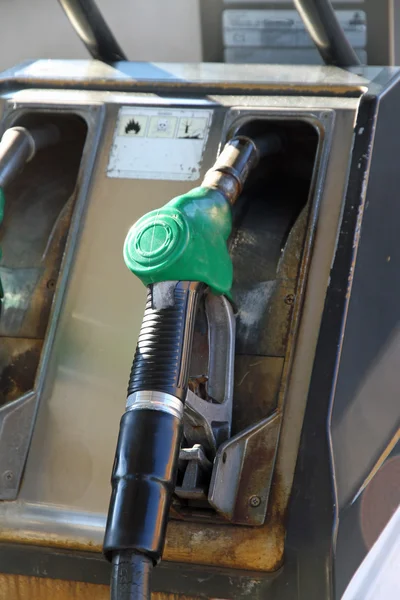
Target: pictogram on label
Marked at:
162, 127
134, 126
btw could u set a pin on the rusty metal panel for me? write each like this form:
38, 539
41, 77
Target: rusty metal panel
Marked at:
257, 385
38, 211
32, 236
19, 358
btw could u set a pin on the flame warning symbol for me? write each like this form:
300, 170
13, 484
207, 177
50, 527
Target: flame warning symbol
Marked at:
132, 126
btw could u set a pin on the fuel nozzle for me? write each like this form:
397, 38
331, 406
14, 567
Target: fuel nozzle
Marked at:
177, 252
17, 147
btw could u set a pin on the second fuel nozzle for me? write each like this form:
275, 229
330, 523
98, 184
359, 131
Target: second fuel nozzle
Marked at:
19, 145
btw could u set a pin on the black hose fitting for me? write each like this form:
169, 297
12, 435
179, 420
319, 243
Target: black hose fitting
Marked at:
143, 482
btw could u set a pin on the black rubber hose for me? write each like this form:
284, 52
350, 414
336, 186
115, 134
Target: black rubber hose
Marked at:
146, 458
130, 577
93, 30
323, 26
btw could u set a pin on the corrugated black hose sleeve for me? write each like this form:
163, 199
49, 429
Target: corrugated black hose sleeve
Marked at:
161, 360
145, 466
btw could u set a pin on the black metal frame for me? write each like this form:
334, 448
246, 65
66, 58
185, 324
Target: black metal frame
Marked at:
349, 344
313, 516
93, 30
321, 22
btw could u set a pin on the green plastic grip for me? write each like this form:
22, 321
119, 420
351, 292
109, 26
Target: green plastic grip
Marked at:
185, 240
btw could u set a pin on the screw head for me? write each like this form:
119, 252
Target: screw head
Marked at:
289, 299
255, 501
8, 475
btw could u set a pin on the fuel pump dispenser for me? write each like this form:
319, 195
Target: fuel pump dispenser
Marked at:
253, 456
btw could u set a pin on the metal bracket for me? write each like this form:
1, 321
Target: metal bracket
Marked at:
238, 483
242, 473
207, 423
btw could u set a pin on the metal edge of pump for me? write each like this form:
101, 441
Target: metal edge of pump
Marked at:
374, 289
156, 78
314, 512
312, 518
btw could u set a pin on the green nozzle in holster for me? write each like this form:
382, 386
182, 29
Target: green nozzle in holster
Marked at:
184, 240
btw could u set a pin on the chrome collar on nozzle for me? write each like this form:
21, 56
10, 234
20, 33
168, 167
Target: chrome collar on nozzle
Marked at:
228, 175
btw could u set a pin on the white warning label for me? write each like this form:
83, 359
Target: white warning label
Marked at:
159, 143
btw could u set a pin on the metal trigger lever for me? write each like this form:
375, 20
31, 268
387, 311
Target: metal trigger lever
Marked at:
207, 422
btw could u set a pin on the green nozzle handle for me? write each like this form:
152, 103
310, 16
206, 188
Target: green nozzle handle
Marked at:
186, 240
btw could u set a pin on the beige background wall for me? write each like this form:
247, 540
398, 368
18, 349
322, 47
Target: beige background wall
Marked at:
154, 30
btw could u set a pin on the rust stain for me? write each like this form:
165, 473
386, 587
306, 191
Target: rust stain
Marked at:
257, 386
53, 200
18, 587
255, 548
257, 467
299, 244
51, 540
251, 548
19, 359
